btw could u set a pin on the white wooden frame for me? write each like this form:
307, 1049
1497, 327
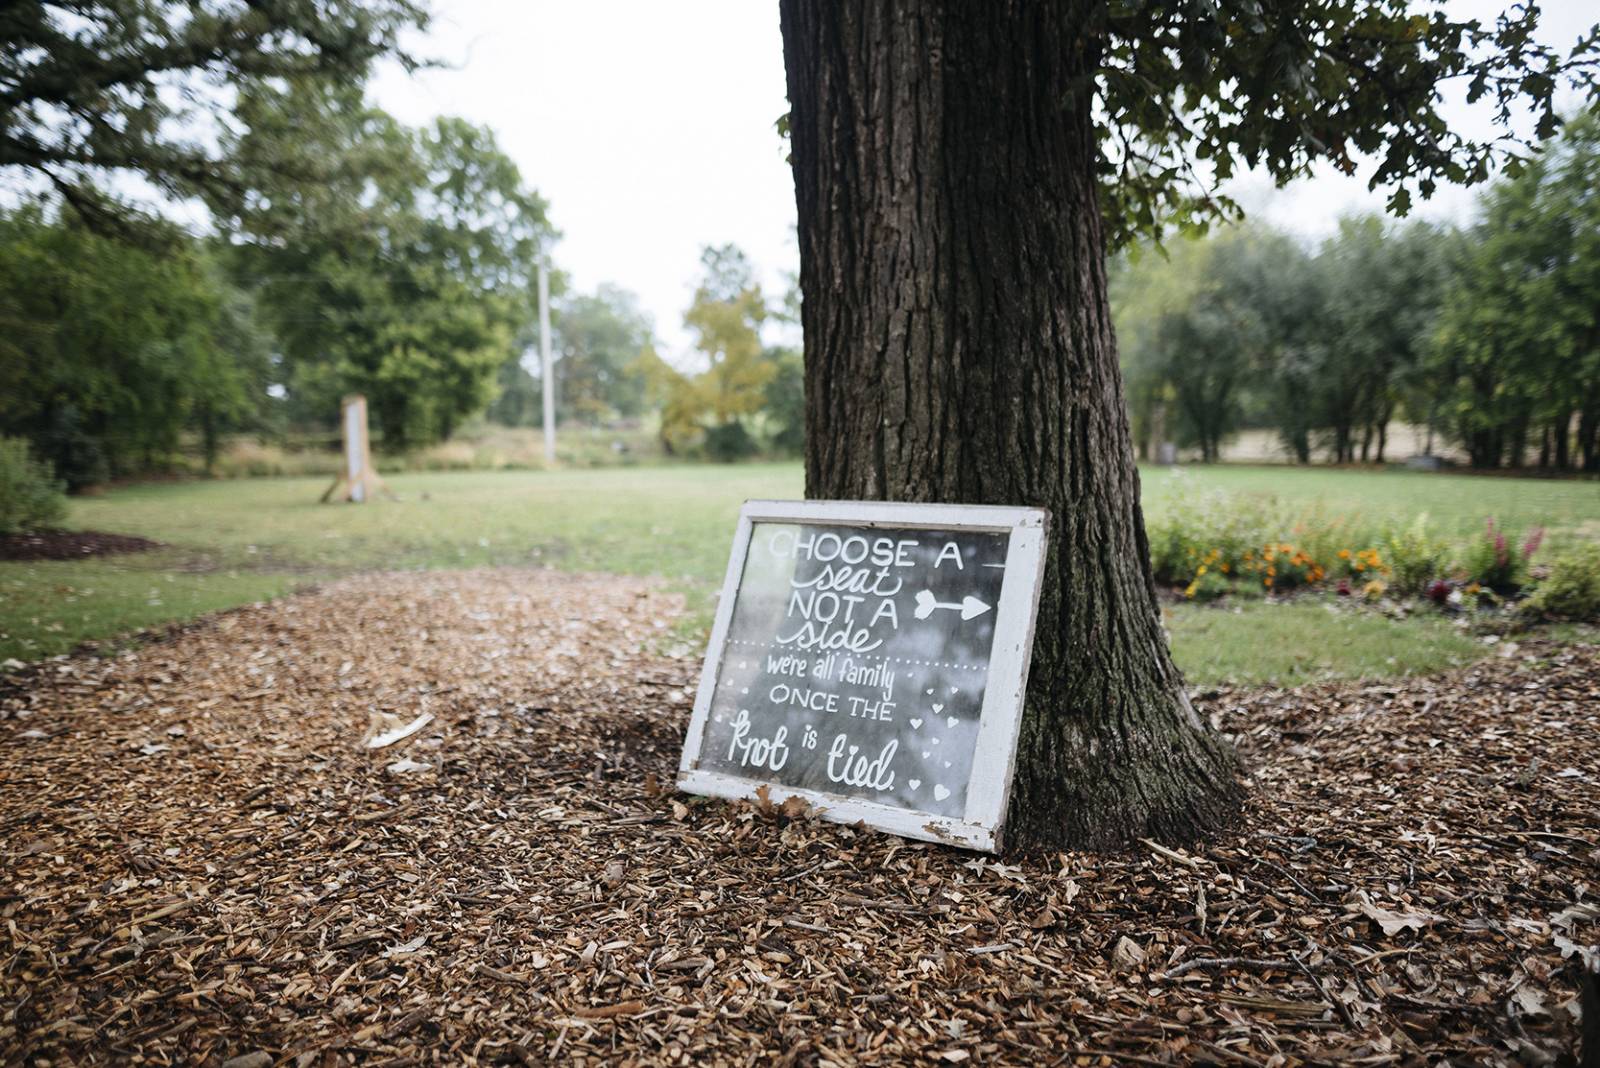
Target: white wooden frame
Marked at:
995, 749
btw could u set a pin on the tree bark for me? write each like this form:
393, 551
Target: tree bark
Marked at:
959, 348
1563, 428
1589, 435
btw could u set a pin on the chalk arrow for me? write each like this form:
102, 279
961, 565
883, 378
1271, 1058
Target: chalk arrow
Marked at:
969, 607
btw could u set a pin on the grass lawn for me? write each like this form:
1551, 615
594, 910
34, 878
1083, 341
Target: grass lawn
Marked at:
1456, 505
232, 542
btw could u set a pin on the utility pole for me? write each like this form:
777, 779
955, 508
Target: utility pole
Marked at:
549, 364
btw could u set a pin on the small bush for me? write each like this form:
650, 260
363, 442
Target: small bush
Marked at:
1415, 558
1571, 592
729, 442
1208, 585
1214, 532
30, 496
1281, 566
1492, 562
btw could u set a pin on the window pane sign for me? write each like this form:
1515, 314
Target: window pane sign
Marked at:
871, 659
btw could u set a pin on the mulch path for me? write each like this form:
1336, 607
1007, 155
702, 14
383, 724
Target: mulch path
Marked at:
200, 862
70, 544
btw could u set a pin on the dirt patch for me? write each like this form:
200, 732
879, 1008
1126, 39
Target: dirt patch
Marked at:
202, 860
70, 545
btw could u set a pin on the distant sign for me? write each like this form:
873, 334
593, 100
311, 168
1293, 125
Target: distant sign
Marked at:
871, 659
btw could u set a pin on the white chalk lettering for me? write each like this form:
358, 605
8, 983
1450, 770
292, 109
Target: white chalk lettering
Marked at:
847, 764
771, 753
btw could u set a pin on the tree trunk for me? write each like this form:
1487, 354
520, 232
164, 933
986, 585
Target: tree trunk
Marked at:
959, 348
1589, 435
208, 437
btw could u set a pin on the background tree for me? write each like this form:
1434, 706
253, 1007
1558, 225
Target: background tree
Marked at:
1381, 294
1203, 326
784, 401
109, 352
726, 318
404, 274
959, 173
676, 397
1519, 342
94, 94
714, 405
597, 337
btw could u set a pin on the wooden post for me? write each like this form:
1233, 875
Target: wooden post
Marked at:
359, 479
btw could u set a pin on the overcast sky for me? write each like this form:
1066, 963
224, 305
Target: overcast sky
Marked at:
649, 128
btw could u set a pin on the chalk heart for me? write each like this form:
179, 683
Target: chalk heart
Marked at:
925, 754
936, 741
955, 689
940, 792
916, 724
947, 763
951, 722
937, 709
930, 689
915, 784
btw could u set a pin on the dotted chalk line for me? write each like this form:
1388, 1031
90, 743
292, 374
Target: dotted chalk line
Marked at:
868, 656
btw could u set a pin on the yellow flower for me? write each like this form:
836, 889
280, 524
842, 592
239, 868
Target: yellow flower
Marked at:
1344, 554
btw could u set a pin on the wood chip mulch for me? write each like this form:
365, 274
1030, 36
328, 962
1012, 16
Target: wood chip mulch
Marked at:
70, 544
201, 862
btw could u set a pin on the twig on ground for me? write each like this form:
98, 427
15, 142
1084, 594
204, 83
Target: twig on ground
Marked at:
1254, 963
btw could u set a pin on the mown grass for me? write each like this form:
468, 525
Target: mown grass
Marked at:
49, 608
1308, 638
1456, 505
233, 542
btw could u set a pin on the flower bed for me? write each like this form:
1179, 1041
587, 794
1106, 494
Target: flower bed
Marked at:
1225, 546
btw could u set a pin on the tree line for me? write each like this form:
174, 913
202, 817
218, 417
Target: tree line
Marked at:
345, 251
340, 250
400, 270
1487, 335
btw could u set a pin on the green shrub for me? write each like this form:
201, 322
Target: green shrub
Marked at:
1208, 585
1216, 531
728, 442
1416, 558
30, 496
1571, 591
1320, 534
1494, 563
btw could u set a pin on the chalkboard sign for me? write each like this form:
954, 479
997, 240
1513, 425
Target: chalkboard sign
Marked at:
871, 659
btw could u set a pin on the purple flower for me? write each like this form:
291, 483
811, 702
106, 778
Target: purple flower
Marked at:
1535, 539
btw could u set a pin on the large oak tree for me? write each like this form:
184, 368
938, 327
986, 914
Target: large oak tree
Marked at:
960, 171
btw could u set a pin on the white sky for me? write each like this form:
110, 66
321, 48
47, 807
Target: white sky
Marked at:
649, 128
